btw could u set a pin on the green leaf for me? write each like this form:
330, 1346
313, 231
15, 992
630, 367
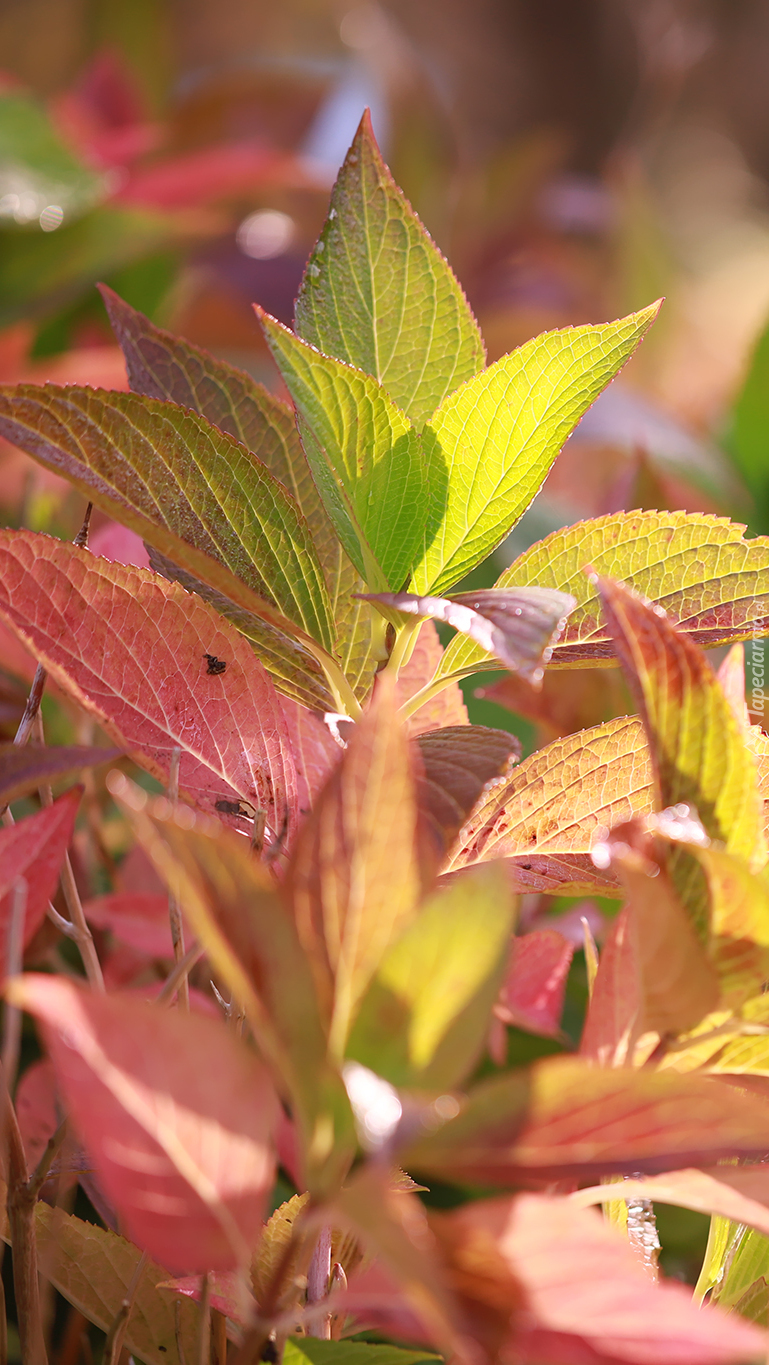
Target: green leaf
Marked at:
378, 294
696, 742
713, 584
301, 1350
190, 490
38, 169
425, 1016
745, 1263
42, 271
496, 437
92, 1268
365, 456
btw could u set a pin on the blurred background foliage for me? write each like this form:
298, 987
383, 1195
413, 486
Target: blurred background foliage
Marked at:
574, 159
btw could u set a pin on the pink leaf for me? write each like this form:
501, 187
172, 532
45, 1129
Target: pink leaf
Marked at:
581, 1278
34, 849
135, 651
447, 707
615, 1008
176, 1114
141, 921
532, 996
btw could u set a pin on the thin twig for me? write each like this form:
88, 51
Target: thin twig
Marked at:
82, 935
32, 707
119, 1326
257, 833
42, 1170
81, 539
178, 1331
204, 1327
14, 953
21, 1220
179, 974
174, 913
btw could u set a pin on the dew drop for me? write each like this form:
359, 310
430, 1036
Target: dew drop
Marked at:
313, 270
331, 215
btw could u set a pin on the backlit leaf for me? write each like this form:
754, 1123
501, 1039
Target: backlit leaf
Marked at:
378, 294
679, 982
532, 993
555, 800
175, 1112
585, 1291
496, 437
161, 365
233, 909
132, 649
350, 895
425, 1016
304, 1350
615, 1009
34, 849
563, 1117
458, 764
696, 742
712, 583
721, 1191
519, 628
365, 456
187, 488
23, 767
269, 1259
739, 924
294, 671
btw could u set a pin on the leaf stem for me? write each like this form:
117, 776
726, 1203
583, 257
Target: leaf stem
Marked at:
405, 640
345, 699
426, 693
119, 1326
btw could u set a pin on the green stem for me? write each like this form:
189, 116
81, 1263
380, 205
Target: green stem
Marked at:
344, 698
403, 648
426, 694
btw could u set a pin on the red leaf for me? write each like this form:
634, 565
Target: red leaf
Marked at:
37, 1109
615, 1007
532, 996
314, 749
581, 1278
25, 767
34, 849
196, 178
132, 648
140, 921
176, 1114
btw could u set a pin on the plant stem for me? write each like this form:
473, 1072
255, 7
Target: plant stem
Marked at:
204, 1329
13, 960
116, 1334
318, 1280
174, 913
21, 1219
179, 974
403, 648
427, 693
345, 699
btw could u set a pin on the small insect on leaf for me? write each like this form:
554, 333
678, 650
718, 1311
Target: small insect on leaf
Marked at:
214, 665
226, 807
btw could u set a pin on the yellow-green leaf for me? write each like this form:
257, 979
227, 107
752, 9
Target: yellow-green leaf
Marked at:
425, 1016
712, 583
364, 454
378, 294
496, 437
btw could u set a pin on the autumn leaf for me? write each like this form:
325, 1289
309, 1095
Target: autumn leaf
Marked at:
133, 650
458, 764
532, 993
232, 906
34, 849
24, 767
737, 1192
350, 896
188, 489
137, 918
447, 707
176, 1114
563, 1117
